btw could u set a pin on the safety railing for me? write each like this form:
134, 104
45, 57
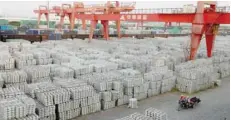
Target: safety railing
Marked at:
94, 5
127, 4
157, 10
225, 9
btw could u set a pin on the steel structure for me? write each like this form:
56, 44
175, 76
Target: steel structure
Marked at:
204, 20
43, 10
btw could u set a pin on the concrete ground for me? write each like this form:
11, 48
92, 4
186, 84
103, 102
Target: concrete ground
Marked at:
215, 105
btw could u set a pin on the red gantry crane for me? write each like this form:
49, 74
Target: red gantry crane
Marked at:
42, 10
205, 20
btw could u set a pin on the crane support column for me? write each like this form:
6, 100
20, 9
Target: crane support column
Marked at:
47, 19
39, 18
118, 28
61, 23
105, 24
72, 19
84, 24
198, 29
210, 37
195, 42
92, 28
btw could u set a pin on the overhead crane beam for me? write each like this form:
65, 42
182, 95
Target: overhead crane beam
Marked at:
224, 18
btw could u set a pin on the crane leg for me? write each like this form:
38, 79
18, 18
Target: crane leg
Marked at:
93, 25
72, 20
118, 28
195, 42
103, 30
61, 23
106, 29
39, 18
47, 19
197, 32
210, 38
84, 24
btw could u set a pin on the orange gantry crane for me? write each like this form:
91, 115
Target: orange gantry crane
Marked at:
205, 20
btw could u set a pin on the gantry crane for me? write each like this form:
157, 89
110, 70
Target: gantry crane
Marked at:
42, 10
204, 20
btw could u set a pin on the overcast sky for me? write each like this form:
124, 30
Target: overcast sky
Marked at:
25, 9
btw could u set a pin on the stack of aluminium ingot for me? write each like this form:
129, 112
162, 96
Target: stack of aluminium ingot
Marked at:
15, 78
24, 59
156, 114
19, 107
37, 74
83, 98
6, 61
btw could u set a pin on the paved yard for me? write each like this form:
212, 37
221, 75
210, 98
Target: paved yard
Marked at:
215, 106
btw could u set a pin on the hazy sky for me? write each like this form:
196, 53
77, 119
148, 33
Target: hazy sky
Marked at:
25, 9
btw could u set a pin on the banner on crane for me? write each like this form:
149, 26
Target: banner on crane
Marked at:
133, 17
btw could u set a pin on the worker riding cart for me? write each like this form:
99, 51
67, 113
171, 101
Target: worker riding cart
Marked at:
185, 102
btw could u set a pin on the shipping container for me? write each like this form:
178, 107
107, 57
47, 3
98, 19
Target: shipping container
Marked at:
55, 36
33, 32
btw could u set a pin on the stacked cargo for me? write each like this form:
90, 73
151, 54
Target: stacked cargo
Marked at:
155, 114
133, 103
134, 85
108, 87
11, 92
136, 116
23, 59
195, 75
221, 66
14, 46
103, 74
61, 71
160, 79
42, 56
45, 112
47, 95
84, 99
161, 71
37, 74
101, 66
78, 68
6, 61
141, 63
59, 58
15, 79
19, 108
122, 64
